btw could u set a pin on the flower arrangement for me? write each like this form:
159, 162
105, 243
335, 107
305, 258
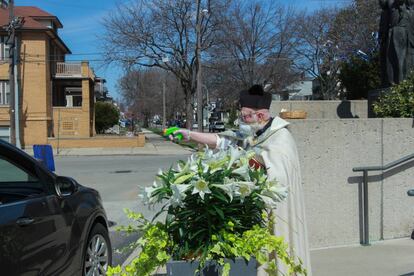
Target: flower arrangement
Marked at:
217, 207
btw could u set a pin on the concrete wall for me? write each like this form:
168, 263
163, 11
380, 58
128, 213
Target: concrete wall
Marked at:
324, 109
328, 150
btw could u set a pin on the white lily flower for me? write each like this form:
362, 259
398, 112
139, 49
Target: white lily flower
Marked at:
147, 195
229, 189
269, 202
192, 162
243, 171
205, 166
157, 184
244, 189
178, 194
201, 188
182, 170
216, 165
275, 191
235, 154
179, 167
208, 153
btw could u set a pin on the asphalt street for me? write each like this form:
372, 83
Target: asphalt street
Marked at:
119, 180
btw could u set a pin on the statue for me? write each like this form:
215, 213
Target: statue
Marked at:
396, 37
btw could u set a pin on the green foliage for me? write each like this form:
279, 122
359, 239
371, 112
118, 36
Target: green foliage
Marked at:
398, 102
257, 242
154, 243
359, 77
215, 206
106, 116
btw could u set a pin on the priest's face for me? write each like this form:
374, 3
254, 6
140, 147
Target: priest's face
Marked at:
252, 116
252, 120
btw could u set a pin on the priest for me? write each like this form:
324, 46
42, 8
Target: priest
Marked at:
275, 151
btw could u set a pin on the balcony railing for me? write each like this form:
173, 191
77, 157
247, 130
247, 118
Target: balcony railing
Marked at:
64, 69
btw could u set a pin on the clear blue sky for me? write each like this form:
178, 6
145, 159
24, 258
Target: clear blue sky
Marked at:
82, 27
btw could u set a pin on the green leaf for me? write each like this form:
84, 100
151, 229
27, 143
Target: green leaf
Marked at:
192, 236
219, 212
217, 194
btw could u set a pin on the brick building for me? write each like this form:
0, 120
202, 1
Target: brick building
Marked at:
56, 97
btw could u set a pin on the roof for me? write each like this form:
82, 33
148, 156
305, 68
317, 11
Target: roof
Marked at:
30, 15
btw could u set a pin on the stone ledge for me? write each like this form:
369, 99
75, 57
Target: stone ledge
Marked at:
98, 142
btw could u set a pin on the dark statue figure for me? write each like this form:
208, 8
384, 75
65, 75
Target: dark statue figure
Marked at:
396, 37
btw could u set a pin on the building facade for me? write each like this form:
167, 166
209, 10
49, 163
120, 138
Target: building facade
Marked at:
56, 97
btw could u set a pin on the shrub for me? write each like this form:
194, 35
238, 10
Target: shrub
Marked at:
398, 101
106, 116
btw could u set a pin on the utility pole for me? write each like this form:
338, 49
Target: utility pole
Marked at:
164, 117
164, 112
199, 91
10, 41
14, 23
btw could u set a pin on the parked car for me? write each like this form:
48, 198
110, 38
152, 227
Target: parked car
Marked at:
216, 126
49, 224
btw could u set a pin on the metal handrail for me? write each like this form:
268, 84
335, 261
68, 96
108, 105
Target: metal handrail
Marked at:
386, 167
363, 195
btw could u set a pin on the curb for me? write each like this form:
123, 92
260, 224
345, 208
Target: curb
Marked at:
131, 256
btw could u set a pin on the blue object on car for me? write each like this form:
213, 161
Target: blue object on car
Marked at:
44, 153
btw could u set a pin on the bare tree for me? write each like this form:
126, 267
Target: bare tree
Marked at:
318, 54
142, 93
330, 37
257, 39
144, 33
356, 27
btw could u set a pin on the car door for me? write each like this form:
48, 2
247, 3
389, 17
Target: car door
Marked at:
34, 223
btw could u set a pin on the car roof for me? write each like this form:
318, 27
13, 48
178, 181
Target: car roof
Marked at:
7, 145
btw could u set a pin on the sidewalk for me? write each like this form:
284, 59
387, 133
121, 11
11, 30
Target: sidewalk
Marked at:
154, 145
386, 258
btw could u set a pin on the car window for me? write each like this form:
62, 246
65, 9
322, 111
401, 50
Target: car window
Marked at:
16, 183
10, 173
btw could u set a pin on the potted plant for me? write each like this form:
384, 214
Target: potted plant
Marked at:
217, 219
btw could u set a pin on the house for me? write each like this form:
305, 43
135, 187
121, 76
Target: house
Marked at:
101, 91
56, 97
297, 91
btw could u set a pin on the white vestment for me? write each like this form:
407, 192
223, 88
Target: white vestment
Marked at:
276, 149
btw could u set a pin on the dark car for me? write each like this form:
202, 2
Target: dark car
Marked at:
49, 224
216, 126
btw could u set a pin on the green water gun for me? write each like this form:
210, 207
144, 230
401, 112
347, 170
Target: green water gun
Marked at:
170, 131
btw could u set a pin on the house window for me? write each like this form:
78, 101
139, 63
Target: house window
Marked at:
4, 93
4, 48
73, 96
